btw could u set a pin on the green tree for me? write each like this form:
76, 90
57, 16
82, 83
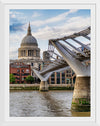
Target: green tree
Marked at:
29, 79
12, 78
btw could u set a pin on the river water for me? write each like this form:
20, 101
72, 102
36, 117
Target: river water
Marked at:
42, 104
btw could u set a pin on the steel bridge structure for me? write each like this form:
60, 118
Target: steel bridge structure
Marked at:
78, 58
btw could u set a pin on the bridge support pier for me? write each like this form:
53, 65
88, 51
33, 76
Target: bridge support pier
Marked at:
44, 86
81, 95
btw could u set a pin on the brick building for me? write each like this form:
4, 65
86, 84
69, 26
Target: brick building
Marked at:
20, 71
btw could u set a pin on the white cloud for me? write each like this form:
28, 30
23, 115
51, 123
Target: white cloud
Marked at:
13, 16
15, 40
71, 26
35, 14
17, 15
53, 19
13, 52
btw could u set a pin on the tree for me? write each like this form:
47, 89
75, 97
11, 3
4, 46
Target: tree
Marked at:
29, 79
12, 78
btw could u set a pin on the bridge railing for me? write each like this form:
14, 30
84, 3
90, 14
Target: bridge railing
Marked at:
81, 53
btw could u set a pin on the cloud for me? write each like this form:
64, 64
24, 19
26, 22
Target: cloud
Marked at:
73, 25
14, 44
46, 32
53, 19
15, 14
16, 27
16, 17
15, 39
13, 53
35, 14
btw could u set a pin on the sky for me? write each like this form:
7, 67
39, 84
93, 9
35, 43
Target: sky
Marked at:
45, 24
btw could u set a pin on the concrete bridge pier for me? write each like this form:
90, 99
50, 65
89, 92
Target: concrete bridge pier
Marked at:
44, 86
81, 94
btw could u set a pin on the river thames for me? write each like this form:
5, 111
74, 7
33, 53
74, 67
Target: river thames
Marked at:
31, 103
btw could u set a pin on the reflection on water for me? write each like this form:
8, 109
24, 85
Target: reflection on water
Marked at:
42, 104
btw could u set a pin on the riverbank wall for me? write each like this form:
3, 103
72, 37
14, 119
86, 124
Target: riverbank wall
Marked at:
36, 87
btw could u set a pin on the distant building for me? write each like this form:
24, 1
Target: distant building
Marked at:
65, 77
29, 47
46, 56
29, 53
20, 71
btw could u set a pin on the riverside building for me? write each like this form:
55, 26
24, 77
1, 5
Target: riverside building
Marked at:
20, 71
29, 53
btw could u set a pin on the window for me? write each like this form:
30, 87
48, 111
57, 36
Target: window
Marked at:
36, 53
69, 81
63, 77
32, 74
53, 75
22, 78
25, 74
58, 78
58, 75
29, 52
27, 70
18, 70
23, 71
32, 64
53, 78
15, 74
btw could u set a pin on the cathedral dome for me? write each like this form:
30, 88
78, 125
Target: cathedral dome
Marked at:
29, 40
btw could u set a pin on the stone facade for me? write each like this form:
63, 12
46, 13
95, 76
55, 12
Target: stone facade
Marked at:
81, 95
29, 53
29, 47
32, 52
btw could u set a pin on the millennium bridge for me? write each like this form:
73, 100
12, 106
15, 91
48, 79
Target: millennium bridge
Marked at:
68, 55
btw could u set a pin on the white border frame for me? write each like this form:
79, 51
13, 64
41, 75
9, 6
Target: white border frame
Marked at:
44, 120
